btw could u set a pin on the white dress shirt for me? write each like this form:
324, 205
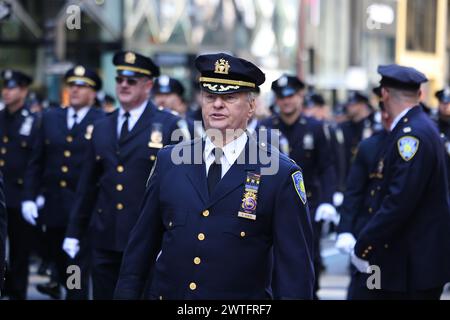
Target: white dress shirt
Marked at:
398, 118
135, 114
231, 152
80, 116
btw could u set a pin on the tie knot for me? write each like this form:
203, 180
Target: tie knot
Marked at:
126, 115
217, 153
75, 116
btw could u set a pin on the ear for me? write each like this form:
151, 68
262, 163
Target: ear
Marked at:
252, 109
384, 93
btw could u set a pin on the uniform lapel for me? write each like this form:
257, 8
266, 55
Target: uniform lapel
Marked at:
196, 172
63, 120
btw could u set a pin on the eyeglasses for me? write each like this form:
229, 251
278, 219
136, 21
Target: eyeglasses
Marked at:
129, 81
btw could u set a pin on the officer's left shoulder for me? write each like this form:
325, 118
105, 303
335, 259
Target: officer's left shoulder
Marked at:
167, 113
311, 122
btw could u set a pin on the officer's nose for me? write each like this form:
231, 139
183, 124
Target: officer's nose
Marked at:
218, 103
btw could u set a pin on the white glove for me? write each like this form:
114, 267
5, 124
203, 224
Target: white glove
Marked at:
327, 213
345, 242
338, 199
71, 246
40, 202
360, 264
30, 212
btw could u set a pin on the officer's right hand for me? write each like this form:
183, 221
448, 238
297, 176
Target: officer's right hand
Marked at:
71, 246
326, 212
30, 212
345, 242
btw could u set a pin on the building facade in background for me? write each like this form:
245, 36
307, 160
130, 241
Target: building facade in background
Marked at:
335, 45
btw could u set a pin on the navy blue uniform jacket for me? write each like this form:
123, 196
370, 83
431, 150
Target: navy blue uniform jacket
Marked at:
207, 250
408, 237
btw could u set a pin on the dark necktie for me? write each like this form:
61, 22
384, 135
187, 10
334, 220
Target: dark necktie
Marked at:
124, 131
215, 170
75, 122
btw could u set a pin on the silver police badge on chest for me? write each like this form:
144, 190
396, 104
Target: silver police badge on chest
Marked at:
308, 142
26, 127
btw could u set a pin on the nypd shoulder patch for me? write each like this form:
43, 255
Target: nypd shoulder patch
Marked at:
407, 147
297, 178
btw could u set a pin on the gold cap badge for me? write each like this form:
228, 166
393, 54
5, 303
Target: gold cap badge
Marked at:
79, 71
222, 66
130, 58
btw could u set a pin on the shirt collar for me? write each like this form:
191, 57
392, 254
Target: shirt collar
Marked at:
231, 151
135, 113
80, 113
399, 117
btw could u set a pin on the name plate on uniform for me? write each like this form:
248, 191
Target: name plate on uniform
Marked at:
247, 215
250, 197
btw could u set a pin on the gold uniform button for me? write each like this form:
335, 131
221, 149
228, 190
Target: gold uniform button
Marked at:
152, 157
370, 248
3, 150
197, 260
372, 193
69, 139
242, 234
19, 181
23, 144
205, 213
63, 184
160, 297
120, 169
201, 236
119, 187
170, 224
192, 286
386, 246
64, 169
119, 206
370, 210
2, 163
5, 139
67, 154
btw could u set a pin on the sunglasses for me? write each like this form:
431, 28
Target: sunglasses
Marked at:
129, 81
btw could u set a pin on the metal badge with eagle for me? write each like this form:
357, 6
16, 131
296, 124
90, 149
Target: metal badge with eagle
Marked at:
407, 147
156, 136
89, 131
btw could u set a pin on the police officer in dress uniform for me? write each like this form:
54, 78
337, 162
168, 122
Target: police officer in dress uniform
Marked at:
55, 167
17, 135
309, 147
225, 227
361, 125
407, 237
120, 155
315, 107
361, 199
169, 93
3, 232
443, 122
